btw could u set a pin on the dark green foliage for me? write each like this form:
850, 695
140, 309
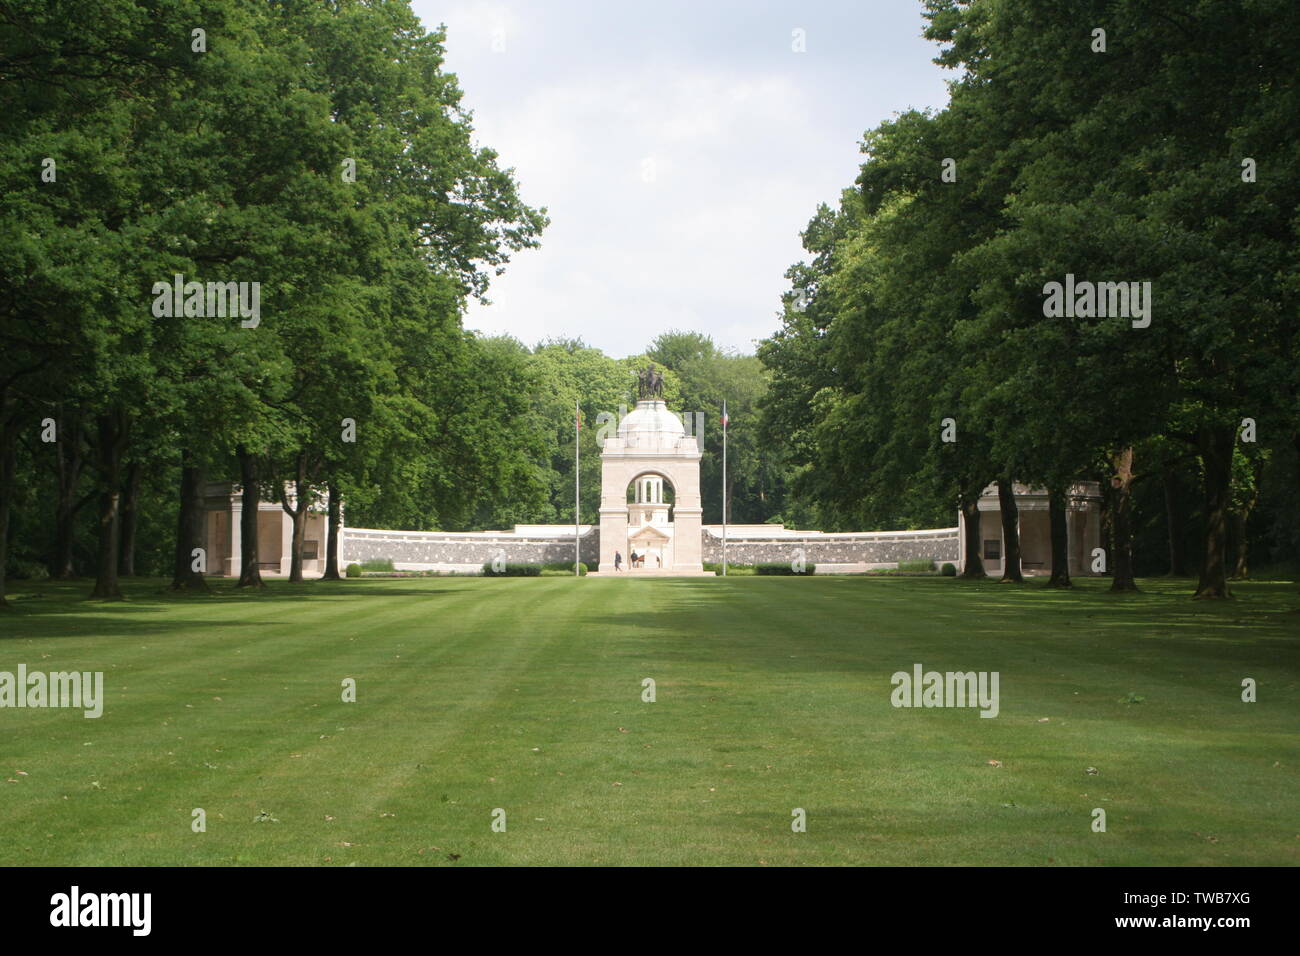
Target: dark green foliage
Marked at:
228, 166
514, 570
30, 571
716, 567
917, 565
922, 299
783, 567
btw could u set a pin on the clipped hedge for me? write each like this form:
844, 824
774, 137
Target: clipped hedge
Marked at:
783, 567
29, 571
377, 564
513, 570
916, 565
716, 568
949, 570
564, 567
353, 570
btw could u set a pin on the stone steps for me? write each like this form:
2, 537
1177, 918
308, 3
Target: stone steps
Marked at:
651, 573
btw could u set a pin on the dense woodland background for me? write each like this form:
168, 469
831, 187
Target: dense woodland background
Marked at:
920, 299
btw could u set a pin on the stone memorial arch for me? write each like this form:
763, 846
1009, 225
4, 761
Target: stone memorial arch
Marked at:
650, 450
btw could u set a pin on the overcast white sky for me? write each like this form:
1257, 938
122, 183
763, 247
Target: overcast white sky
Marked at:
679, 148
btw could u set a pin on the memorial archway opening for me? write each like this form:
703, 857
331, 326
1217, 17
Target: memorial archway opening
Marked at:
650, 492
650, 499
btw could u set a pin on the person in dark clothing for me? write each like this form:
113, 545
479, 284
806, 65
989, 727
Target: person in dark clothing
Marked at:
618, 560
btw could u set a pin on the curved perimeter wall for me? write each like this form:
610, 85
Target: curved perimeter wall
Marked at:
456, 551
466, 551
854, 551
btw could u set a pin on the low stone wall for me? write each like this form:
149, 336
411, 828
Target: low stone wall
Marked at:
873, 549
464, 551
447, 551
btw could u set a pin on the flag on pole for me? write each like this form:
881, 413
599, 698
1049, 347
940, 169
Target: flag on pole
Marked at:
724, 487
577, 500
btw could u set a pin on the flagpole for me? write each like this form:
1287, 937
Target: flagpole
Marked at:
577, 513
724, 487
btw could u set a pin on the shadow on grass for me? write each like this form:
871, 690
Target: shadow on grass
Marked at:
852, 625
51, 609
835, 616
47, 628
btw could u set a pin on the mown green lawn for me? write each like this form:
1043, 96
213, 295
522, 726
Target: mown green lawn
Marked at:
772, 694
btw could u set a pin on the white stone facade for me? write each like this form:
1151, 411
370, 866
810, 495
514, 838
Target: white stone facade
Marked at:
651, 448
223, 504
652, 456
1083, 529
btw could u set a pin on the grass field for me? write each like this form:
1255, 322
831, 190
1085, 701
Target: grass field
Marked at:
772, 694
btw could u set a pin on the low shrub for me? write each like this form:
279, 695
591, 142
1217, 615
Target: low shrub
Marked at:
916, 565
353, 570
783, 567
513, 570
949, 570
29, 571
377, 564
410, 574
716, 568
563, 567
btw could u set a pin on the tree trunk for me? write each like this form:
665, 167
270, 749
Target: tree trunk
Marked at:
1107, 525
1216, 445
1010, 532
111, 427
298, 514
69, 463
1121, 520
1295, 440
130, 519
973, 544
250, 574
332, 544
189, 528
1057, 520
1177, 556
1241, 526
1240, 547
299, 536
8, 459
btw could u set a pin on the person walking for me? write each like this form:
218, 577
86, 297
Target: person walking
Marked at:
618, 560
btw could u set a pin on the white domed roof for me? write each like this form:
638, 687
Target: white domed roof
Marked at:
651, 419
